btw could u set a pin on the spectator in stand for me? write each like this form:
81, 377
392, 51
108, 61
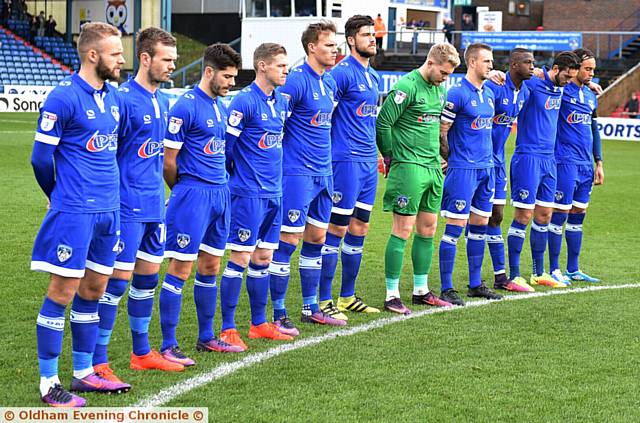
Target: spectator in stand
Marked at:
448, 29
380, 29
631, 109
41, 23
33, 28
50, 27
467, 23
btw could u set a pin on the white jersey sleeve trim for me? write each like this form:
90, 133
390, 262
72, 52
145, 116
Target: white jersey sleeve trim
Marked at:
176, 145
47, 139
233, 131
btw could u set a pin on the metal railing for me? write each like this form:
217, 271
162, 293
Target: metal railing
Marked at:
181, 74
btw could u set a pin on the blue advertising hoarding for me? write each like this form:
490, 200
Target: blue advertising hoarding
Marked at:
532, 40
389, 78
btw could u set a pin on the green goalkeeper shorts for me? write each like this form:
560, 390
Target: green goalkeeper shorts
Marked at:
412, 188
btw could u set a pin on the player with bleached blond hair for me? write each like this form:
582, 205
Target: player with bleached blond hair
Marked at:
408, 129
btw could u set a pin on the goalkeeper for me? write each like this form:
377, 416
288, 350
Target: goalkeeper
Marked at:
408, 128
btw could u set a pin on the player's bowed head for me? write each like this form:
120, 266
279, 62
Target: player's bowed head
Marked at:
441, 61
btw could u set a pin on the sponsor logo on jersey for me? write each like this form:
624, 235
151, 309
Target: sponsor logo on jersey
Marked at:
575, 118
316, 96
99, 142
183, 240
336, 197
400, 97
235, 118
505, 101
552, 103
263, 116
48, 121
146, 119
64, 252
189, 96
365, 110
214, 146
460, 205
293, 215
268, 141
428, 118
503, 119
243, 234
321, 119
362, 88
402, 201
91, 114
209, 123
149, 149
482, 123
174, 125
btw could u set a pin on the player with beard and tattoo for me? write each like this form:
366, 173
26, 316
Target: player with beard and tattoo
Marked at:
198, 214
355, 173
74, 161
141, 248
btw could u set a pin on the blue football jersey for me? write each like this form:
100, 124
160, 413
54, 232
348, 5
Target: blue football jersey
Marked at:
82, 123
471, 111
197, 125
508, 102
353, 126
254, 135
140, 152
538, 119
307, 132
575, 139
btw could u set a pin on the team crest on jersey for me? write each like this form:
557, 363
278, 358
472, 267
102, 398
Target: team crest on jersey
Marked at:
174, 125
146, 119
293, 215
592, 104
48, 121
400, 97
243, 234
115, 112
64, 252
235, 118
336, 197
91, 114
460, 205
183, 240
402, 201
119, 247
523, 194
559, 195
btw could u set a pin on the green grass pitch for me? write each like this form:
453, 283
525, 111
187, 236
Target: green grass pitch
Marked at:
555, 358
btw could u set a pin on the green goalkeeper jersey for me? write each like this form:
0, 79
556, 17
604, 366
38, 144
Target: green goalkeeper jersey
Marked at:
408, 125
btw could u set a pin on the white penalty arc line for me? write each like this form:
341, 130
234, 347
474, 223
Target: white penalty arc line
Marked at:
168, 394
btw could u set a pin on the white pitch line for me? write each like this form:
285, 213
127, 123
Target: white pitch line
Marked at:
168, 394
